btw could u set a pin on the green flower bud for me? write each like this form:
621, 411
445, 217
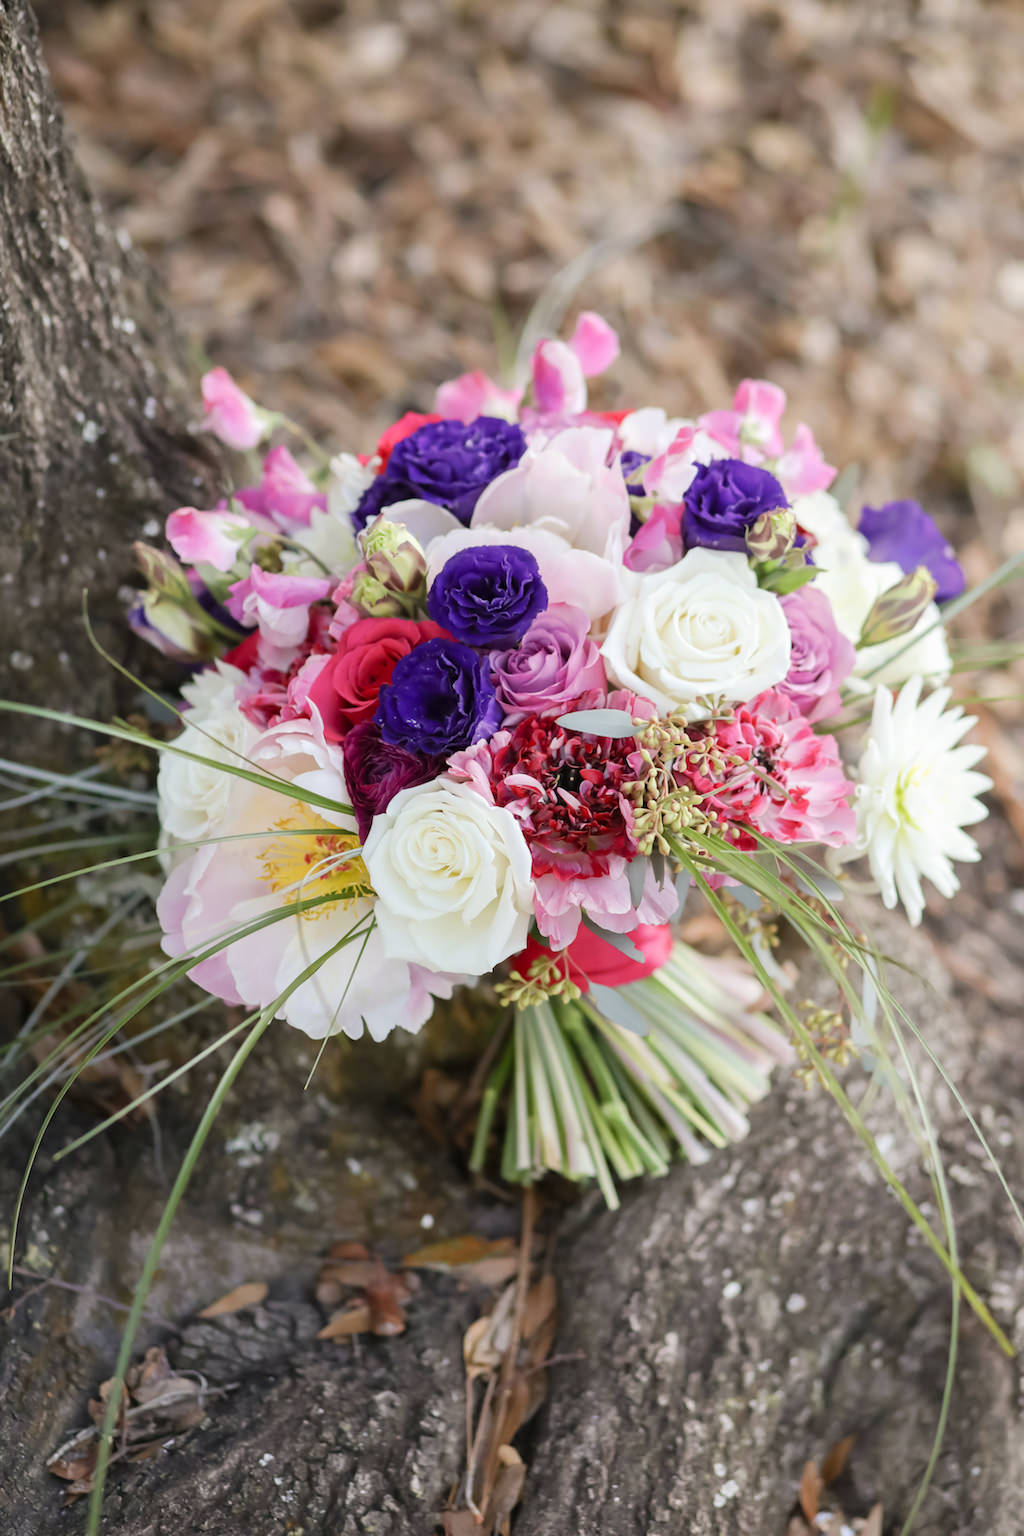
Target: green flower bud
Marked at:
374, 600
163, 573
394, 556
771, 536
897, 611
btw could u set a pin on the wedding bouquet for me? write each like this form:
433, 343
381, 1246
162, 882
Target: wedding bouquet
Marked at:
489, 701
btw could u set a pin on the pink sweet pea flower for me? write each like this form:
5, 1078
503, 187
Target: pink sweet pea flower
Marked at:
279, 605
595, 343
559, 387
669, 474
658, 543
475, 394
285, 493
751, 429
206, 538
802, 468
230, 414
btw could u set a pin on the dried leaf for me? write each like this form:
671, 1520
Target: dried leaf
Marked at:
353, 1319
811, 1485
248, 1295
460, 1522
872, 1525
508, 1489
340, 1251
836, 1458
487, 1339
459, 1252
385, 1296
75, 1460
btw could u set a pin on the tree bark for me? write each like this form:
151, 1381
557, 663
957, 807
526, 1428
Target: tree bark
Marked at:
94, 397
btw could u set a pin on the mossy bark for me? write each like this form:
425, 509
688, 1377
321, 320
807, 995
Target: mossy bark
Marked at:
95, 394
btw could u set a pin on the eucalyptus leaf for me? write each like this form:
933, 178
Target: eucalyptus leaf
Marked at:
620, 941
616, 723
610, 1002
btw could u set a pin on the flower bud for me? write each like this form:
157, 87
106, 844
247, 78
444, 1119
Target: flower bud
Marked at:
171, 628
394, 557
771, 535
373, 599
897, 611
162, 572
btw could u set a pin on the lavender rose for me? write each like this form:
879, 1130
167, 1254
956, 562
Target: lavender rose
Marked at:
440, 698
902, 531
375, 772
488, 594
447, 462
821, 658
556, 663
723, 499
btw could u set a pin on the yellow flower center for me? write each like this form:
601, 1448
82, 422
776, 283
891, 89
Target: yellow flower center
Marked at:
314, 858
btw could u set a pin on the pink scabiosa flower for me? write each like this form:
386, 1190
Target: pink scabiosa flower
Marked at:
565, 789
780, 779
230, 414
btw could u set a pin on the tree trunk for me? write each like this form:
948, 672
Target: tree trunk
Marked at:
94, 397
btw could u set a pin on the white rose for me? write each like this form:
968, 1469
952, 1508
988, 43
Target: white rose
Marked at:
835, 538
452, 878
193, 798
852, 586
702, 628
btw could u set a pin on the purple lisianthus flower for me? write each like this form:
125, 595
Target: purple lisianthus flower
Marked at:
723, 499
440, 698
904, 532
488, 594
556, 662
821, 657
447, 462
376, 770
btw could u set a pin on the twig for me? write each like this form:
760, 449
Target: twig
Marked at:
78, 1290
510, 1361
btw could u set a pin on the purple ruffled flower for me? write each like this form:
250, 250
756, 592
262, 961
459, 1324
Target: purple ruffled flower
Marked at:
488, 594
376, 771
440, 698
903, 531
723, 499
447, 462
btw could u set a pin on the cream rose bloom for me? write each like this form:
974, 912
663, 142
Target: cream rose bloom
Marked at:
702, 628
852, 587
452, 878
193, 798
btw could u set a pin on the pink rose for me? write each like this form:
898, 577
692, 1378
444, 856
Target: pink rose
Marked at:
555, 662
346, 691
821, 658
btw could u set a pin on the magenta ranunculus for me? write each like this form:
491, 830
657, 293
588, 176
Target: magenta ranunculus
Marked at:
375, 772
821, 658
555, 662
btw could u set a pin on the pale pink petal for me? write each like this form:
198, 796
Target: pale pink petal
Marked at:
761, 405
802, 468
230, 414
475, 394
595, 343
205, 538
658, 543
558, 383
669, 475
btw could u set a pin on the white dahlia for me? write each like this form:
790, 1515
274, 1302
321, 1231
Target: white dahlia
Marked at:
916, 792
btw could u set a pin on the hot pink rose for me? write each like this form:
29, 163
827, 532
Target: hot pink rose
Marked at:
346, 691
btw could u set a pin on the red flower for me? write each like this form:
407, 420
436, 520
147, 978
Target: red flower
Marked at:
405, 426
565, 790
346, 691
593, 961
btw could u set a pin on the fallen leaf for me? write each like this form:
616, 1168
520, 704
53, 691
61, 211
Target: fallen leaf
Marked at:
341, 1251
352, 1319
508, 1489
385, 1296
248, 1295
836, 1458
458, 1252
75, 1460
459, 1522
872, 1525
486, 1340
811, 1484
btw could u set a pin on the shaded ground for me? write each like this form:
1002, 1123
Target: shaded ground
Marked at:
346, 204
